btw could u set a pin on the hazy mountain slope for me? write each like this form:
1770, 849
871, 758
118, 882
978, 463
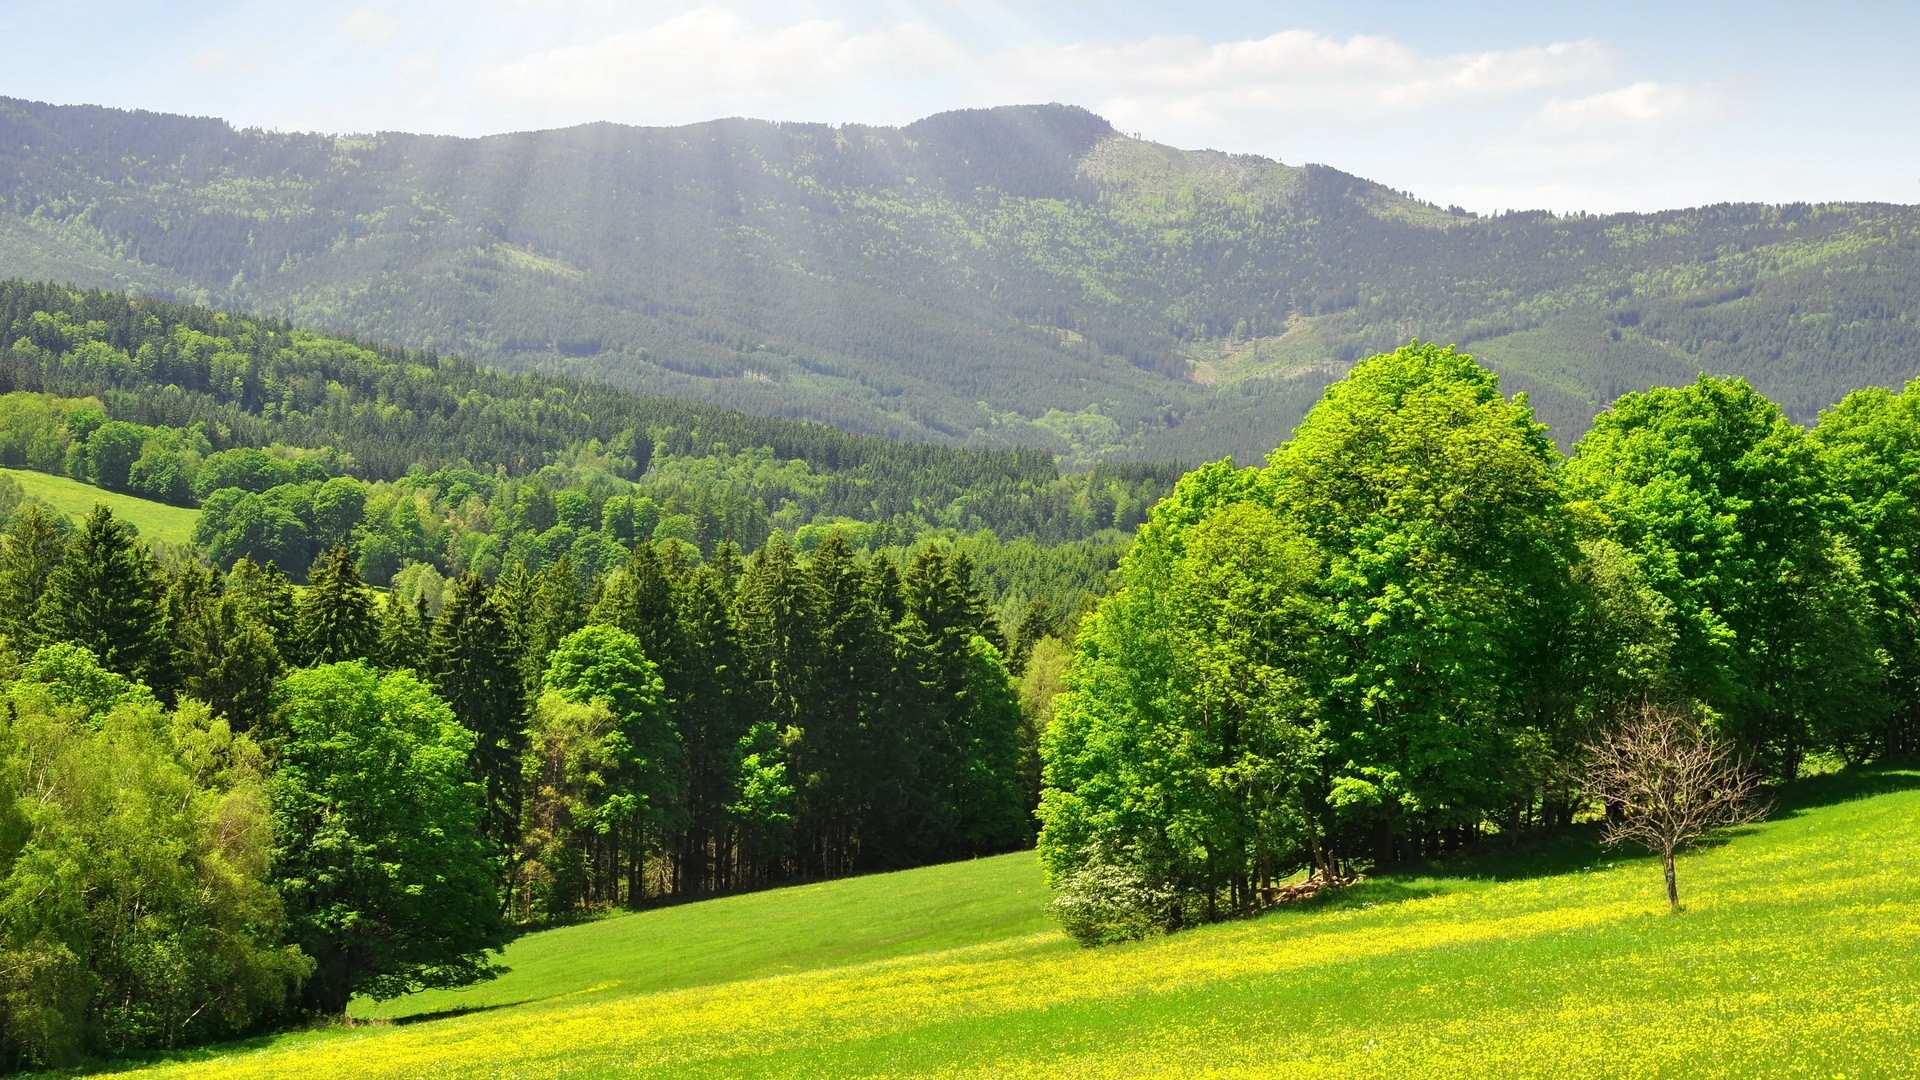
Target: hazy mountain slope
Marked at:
1013, 275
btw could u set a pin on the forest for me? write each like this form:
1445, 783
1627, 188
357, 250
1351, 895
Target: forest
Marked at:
293, 442
1421, 628
453, 654
976, 277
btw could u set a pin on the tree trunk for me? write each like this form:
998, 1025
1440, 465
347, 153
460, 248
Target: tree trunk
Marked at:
1673, 890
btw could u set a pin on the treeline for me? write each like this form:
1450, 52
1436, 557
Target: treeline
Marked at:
172, 388
226, 801
1402, 634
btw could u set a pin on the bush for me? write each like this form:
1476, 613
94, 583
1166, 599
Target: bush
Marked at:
1103, 902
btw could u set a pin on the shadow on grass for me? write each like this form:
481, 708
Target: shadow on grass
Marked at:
448, 1014
1578, 848
1790, 800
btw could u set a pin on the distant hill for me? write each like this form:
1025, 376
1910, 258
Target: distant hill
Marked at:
1022, 275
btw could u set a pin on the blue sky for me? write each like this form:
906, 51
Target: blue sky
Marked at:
1506, 105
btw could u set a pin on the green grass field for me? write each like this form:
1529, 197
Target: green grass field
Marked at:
1797, 956
156, 521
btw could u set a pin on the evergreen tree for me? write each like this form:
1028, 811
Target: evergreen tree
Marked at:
223, 654
30, 552
403, 633
334, 617
779, 646
476, 670
989, 806
711, 705
106, 596
638, 599
1038, 621
836, 762
268, 597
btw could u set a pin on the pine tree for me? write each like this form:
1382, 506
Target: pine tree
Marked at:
30, 552
403, 633
942, 618
106, 596
267, 596
476, 670
779, 645
335, 619
1037, 622
711, 707
837, 759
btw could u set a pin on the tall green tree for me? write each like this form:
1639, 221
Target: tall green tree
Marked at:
711, 706
779, 647
388, 881
224, 655
334, 618
1729, 509
135, 908
1869, 445
836, 762
106, 595
645, 792
30, 552
475, 668
1436, 502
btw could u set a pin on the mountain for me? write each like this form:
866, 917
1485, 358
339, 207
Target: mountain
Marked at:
1023, 275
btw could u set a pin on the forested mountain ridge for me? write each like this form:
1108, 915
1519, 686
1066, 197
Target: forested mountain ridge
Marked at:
1010, 276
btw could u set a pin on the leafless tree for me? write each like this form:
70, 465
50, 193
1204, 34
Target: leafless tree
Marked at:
1668, 782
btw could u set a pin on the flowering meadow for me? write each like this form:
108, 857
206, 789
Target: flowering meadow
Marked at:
1798, 955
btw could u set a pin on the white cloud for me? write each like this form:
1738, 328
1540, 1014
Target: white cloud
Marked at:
365, 26
1299, 67
1642, 105
1171, 87
710, 54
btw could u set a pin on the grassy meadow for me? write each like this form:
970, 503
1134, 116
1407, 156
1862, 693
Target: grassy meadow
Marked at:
1799, 954
156, 521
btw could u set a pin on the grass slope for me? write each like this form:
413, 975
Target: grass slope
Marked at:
1797, 957
156, 521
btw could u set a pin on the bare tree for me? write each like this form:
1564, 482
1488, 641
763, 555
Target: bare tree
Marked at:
1668, 782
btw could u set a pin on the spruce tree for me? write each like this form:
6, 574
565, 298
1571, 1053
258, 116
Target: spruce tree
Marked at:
267, 596
1037, 622
476, 670
403, 633
335, 619
711, 707
30, 552
837, 758
106, 596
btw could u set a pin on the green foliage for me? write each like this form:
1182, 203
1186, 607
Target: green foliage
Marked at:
1870, 447
333, 617
1729, 510
470, 653
134, 907
105, 595
1345, 647
378, 851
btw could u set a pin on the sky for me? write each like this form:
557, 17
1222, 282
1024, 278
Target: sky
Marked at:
1598, 107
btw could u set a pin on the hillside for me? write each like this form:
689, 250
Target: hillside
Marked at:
156, 521
1012, 276
1795, 958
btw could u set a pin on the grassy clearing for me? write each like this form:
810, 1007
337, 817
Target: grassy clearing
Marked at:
156, 521
1797, 957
